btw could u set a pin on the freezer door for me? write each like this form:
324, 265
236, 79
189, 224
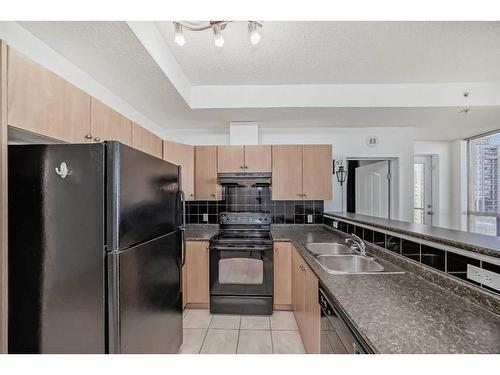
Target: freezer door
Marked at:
142, 196
145, 299
56, 249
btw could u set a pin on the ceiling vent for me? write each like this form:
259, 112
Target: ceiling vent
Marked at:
243, 133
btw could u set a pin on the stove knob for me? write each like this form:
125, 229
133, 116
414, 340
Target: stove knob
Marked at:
260, 218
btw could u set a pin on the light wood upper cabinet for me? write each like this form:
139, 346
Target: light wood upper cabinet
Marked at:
183, 155
206, 187
287, 172
109, 125
317, 170
258, 158
42, 102
146, 141
231, 159
282, 274
248, 158
197, 278
302, 172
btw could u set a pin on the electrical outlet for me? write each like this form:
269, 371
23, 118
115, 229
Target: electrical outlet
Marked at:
335, 224
205, 217
309, 218
485, 277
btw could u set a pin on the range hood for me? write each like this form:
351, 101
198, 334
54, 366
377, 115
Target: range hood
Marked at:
245, 179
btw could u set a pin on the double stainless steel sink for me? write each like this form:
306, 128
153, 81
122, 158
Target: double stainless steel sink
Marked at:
338, 258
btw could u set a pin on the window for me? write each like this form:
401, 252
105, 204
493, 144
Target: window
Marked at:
484, 178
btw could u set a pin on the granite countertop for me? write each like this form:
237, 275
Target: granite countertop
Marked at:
200, 232
400, 313
479, 243
394, 313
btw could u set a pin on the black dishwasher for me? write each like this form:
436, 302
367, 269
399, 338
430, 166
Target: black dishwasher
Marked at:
337, 334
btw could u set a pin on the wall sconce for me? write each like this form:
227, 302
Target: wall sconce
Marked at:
341, 174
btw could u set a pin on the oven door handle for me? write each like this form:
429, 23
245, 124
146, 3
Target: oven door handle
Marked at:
241, 248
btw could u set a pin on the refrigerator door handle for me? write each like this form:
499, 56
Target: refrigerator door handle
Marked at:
183, 228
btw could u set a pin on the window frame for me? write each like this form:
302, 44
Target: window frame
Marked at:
469, 183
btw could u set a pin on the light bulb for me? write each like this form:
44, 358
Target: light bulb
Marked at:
218, 39
179, 38
254, 33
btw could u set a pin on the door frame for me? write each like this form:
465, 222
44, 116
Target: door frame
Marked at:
393, 184
434, 188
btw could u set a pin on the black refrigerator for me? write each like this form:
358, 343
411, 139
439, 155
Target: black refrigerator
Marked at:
96, 246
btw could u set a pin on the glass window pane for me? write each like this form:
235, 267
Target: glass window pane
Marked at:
484, 210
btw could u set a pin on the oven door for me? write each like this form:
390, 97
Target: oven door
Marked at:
241, 279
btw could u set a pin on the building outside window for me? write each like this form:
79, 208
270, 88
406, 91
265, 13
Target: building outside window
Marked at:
484, 179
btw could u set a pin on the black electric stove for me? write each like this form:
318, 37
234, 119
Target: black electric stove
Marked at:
241, 264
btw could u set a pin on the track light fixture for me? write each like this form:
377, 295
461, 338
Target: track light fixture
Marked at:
179, 38
217, 28
218, 38
254, 33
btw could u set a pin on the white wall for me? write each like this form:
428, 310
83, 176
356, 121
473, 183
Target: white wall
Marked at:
347, 142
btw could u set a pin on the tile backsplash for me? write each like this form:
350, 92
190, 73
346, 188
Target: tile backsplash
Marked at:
258, 198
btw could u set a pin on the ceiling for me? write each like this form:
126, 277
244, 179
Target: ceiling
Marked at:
342, 53
338, 52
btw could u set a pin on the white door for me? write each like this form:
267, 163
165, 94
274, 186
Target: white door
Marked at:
372, 189
422, 190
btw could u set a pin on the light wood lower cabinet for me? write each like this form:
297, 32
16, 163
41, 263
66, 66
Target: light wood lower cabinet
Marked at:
195, 272
146, 141
41, 102
108, 125
183, 155
206, 187
305, 303
282, 276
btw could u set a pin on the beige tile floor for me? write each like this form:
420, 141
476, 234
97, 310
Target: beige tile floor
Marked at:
240, 334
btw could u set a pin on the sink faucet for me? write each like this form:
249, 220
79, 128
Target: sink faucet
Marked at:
358, 242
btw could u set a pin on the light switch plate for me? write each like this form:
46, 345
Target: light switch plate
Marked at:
309, 218
205, 217
485, 277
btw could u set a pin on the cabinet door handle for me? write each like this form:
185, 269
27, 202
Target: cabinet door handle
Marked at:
97, 139
276, 249
88, 136
212, 195
241, 167
191, 195
304, 195
246, 167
